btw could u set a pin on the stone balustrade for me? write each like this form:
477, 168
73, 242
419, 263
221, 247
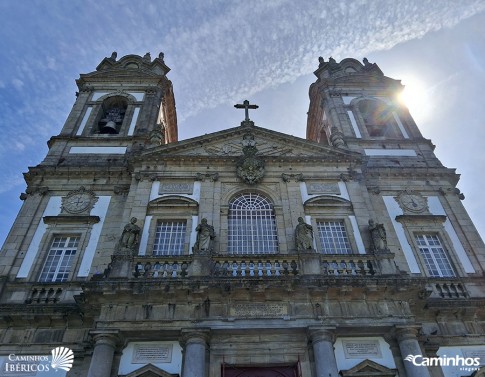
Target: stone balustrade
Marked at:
162, 267
448, 289
45, 294
254, 266
352, 264
258, 266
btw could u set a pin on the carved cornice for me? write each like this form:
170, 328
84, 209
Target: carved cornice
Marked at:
421, 218
71, 219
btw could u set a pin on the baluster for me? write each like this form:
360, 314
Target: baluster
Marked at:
251, 268
268, 268
260, 268
334, 268
342, 268
277, 268
234, 268
352, 267
225, 268
175, 269
156, 269
440, 290
243, 268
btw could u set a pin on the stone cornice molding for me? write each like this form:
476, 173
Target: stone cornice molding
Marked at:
71, 219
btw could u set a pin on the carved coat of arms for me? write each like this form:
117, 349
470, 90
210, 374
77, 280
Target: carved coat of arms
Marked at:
249, 167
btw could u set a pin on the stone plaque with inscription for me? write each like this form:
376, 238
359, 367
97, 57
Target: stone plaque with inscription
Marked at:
323, 188
152, 353
361, 349
258, 310
176, 188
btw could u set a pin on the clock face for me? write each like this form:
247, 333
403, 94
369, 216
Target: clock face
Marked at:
413, 202
77, 203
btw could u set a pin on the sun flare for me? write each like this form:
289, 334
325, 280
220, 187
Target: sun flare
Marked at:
415, 98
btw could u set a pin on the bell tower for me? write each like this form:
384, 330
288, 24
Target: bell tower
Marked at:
353, 105
121, 108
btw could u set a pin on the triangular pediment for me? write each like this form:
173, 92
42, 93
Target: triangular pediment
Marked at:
149, 370
368, 368
269, 144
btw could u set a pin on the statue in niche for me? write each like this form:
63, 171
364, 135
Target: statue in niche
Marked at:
303, 235
378, 236
205, 237
131, 232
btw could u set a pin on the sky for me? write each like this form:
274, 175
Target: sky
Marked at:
224, 51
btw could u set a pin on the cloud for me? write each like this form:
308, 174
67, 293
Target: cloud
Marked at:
254, 45
17, 83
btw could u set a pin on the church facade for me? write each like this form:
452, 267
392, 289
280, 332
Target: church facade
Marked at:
245, 252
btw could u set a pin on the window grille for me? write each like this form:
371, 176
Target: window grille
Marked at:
434, 255
169, 238
252, 225
59, 259
333, 237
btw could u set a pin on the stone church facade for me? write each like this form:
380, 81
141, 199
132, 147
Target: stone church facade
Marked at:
244, 252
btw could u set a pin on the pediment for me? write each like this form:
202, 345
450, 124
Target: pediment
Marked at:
368, 368
172, 201
149, 370
270, 144
327, 201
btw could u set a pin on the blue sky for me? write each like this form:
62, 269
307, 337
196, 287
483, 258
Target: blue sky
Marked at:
222, 52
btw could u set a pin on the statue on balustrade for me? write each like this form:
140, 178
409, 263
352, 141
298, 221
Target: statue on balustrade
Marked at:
378, 236
130, 235
303, 235
205, 237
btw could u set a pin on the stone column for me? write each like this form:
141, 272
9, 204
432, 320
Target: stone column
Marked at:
194, 342
102, 358
322, 341
409, 345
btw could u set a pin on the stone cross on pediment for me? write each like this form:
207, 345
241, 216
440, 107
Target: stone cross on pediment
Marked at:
246, 106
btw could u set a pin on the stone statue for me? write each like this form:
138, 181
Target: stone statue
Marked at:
378, 236
147, 58
303, 235
321, 62
205, 235
114, 54
131, 232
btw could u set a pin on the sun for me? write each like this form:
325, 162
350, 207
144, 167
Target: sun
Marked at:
415, 97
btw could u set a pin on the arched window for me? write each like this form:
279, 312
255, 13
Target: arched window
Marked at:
114, 109
252, 225
378, 118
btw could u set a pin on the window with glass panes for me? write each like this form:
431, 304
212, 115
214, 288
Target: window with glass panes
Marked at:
59, 259
170, 237
252, 225
434, 255
333, 237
